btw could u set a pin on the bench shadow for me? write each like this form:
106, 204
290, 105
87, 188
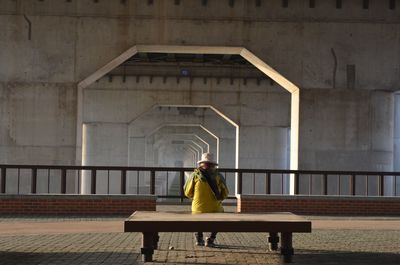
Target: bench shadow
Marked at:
328, 257
103, 258
301, 257
68, 258
189, 262
249, 250
209, 253
221, 246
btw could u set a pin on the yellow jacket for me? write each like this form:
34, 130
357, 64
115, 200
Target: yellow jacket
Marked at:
203, 198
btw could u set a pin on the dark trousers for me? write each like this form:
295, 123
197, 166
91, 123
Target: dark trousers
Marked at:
199, 235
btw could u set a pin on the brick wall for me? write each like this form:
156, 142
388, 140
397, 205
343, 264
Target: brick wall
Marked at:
319, 205
76, 204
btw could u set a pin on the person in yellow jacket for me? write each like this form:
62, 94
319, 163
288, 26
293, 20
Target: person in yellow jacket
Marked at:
207, 189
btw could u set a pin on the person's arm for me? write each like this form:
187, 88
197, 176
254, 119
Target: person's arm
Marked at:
189, 187
222, 187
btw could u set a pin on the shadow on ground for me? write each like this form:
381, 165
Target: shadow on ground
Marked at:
108, 258
310, 257
302, 256
68, 258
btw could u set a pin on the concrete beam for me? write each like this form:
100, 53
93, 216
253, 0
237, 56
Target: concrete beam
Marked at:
108, 67
269, 71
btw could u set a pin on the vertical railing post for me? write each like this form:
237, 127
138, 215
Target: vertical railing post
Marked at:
3, 180
33, 180
381, 185
353, 185
239, 183
268, 183
181, 185
18, 179
93, 182
123, 181
63, 181
152, 182
325, 187
296, 183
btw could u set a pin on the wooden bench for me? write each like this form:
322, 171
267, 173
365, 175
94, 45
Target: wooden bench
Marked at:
151, 223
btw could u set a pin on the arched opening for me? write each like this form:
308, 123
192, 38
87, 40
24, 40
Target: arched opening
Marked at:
205, 116
133, 101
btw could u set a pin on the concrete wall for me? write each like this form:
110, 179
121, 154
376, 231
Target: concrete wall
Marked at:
255, 108
104, 144
397, 133
262, 113
68, 41
37, 123
346, 130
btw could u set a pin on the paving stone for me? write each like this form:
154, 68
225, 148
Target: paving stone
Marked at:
322, 246
124, 248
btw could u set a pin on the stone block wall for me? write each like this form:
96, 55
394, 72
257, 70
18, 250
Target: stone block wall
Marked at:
76, 204
320, 205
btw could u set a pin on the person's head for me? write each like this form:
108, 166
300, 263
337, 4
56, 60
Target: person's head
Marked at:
207, 165
207, 161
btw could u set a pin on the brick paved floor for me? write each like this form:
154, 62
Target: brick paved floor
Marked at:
359, 240
124, 248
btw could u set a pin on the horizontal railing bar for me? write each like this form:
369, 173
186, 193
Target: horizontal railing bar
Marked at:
170, 197
178, 169
178, 197
93, 170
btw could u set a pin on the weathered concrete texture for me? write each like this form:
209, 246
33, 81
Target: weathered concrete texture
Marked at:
37, 123
105, 144
72, 40
254, 108
346, 130
354, 44
49, 56
59, 43
300, 51
272, 9
397, 133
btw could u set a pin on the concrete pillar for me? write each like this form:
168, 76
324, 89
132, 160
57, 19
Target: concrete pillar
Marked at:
396, 160
396, 151
103, 144
137, 147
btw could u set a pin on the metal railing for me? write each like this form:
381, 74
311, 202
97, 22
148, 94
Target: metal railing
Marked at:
168, 182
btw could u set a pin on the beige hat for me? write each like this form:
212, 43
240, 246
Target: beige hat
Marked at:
207, 158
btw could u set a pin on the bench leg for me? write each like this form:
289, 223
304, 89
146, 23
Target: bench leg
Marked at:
273, 240
287, 247
147, 246
156, 238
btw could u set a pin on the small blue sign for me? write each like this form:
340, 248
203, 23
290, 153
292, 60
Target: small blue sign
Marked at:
184, 72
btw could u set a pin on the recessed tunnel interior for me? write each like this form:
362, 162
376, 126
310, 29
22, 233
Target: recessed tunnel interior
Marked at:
165, 100
163, 95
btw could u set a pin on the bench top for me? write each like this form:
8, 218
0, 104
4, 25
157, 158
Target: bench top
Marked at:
141, 221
